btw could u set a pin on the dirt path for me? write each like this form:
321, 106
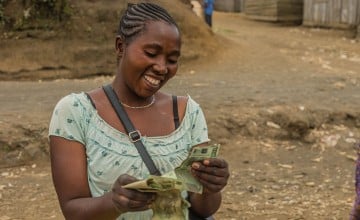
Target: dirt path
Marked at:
283, 101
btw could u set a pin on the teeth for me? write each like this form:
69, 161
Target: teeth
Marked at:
152, 80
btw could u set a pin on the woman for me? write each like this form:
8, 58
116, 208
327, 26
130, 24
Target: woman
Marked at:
355, 212
91, 154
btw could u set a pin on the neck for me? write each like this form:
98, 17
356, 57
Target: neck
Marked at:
131, 100
149, 104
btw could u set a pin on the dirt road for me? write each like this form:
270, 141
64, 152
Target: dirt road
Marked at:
282, 100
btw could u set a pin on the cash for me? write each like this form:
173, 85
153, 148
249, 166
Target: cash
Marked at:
169, 204
155, 184
182, 172
180, 178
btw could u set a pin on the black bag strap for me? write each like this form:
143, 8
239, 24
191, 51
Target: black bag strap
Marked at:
134, 135
175, 112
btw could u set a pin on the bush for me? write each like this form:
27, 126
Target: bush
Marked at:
50, 9
2, 15
33, 14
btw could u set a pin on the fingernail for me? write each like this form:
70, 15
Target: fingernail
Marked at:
195, 165
206, 162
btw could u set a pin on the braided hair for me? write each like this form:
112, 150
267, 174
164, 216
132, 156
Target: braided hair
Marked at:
135, 17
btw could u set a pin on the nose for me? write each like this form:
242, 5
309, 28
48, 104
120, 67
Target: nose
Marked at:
160, 67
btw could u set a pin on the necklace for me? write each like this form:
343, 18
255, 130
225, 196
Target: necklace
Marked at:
138, 107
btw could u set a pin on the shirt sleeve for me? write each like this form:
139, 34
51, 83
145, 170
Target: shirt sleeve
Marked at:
66, 120
199, 129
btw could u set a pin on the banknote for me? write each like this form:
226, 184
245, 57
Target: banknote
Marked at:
156, 184
169, 204
181, 177
183, 173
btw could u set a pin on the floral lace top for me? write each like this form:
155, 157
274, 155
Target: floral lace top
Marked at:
110, 153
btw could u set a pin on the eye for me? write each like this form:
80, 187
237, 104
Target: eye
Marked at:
172, 61
150, 53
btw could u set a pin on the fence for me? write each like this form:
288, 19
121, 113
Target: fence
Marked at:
275, 10
332, 13
229, 5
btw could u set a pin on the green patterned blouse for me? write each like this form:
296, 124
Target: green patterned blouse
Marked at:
110, 153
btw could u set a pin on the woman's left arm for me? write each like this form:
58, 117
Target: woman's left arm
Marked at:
213, 174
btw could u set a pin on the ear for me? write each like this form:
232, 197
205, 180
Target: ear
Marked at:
119, 46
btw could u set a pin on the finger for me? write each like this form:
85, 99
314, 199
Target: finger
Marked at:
125, 179
123, 203
220, 172
142, 197
120, 202
132, 204
216, 162
211, 187
210, 178
135, 195
126, 202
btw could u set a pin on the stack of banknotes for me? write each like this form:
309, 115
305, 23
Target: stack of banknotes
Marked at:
169, 203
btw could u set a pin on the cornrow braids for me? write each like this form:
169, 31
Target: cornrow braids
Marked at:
135, 17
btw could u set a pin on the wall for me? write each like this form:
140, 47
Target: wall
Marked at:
332, 13
229, 5
275, 10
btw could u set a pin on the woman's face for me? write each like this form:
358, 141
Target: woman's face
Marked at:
150, 59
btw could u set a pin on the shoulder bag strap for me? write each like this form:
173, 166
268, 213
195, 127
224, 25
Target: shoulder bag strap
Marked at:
133, 134
175, 112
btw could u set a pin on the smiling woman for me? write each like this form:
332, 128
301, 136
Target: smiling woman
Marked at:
92, 155
147, 62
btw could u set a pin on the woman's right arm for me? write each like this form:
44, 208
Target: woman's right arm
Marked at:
69, 173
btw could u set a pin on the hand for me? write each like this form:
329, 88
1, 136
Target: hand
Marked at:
128, 200
212, 173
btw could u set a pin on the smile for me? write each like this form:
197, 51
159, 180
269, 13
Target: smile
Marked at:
152, 81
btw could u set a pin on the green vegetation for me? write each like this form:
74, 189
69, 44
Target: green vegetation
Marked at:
33, 14
2, 16
53, 9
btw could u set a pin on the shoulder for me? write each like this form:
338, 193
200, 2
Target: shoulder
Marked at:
98, 97
72, 99
191, 103
189, 106
186, 102
74, 102
182, 102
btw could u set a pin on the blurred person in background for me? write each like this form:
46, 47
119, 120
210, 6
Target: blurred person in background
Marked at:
208, 11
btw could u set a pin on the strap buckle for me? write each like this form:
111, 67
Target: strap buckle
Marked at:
135, 136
